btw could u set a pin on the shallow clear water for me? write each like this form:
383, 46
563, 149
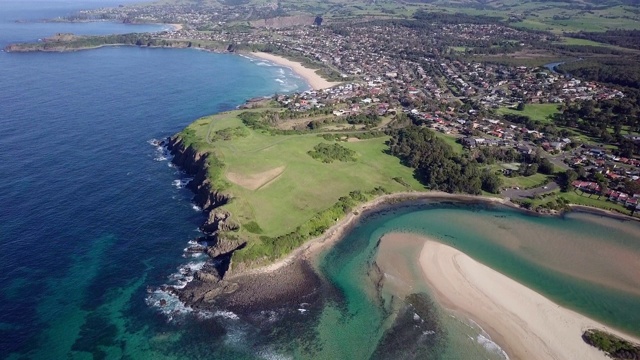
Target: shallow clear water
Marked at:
487, 234
92, 215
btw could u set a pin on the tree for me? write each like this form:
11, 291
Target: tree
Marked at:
566, 179
530, 169
491, 182
604, 188
546, 167
520, 106
632, 187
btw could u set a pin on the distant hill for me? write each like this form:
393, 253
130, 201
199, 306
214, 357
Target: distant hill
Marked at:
502, 3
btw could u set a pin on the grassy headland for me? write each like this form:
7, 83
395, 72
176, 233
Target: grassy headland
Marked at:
282, 194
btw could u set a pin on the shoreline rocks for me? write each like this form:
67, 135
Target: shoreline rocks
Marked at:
208, 283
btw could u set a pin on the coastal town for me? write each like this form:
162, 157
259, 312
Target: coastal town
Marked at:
465, 101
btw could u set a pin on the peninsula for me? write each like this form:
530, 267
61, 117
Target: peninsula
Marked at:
526, 324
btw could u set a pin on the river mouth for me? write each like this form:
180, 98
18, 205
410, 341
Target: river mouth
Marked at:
368, 291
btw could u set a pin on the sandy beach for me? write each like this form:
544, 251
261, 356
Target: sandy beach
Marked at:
524, 323
316, 81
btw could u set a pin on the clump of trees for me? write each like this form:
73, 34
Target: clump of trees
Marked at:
437, 165
365, 119
624, 38
230, 133
616, 70
328, 153
614, 346
606, 120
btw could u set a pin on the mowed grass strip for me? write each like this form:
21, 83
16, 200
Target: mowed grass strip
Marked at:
306, 185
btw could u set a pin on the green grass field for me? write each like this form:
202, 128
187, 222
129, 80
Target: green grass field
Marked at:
452, 141
538, 112
274, 182
576, 197
524, 182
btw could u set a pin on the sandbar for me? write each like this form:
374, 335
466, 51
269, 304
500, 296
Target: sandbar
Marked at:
314, 80
524, 323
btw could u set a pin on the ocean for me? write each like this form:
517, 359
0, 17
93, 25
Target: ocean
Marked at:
93, 217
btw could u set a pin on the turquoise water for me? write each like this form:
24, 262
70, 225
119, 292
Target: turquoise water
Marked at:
93, 216
348, 263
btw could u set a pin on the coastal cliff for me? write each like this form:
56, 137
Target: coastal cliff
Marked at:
208, 282
218, 282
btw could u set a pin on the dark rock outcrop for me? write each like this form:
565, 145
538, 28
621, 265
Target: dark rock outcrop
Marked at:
195, 163
208, 282
219, 221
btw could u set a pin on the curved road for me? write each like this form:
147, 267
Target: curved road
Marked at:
529, 193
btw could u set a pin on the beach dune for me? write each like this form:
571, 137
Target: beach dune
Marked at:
524, 323
314, 80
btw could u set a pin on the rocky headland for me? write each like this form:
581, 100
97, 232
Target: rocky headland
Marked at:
218, 283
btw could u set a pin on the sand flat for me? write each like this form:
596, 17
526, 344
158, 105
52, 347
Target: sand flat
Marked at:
524, 323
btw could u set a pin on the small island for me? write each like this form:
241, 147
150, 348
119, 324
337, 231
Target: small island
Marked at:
63, 42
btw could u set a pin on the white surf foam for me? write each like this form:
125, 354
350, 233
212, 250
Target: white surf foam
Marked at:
181, 183
168, 304
226, 314
491, 346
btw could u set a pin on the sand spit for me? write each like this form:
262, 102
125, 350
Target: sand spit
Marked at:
523, 322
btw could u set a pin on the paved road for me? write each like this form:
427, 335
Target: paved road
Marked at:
530, 193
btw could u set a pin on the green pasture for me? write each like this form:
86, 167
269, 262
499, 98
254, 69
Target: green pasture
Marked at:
305, 186
538, 112
452, 141
524, 182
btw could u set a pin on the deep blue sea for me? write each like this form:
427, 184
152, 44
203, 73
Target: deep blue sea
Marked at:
90, 214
